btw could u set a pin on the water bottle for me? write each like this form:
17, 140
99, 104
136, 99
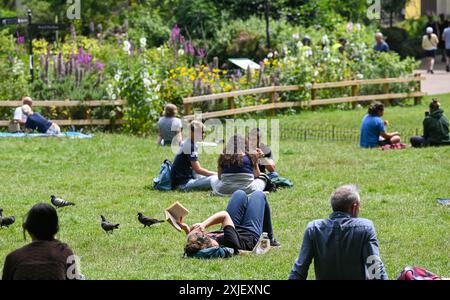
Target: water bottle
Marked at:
263, 245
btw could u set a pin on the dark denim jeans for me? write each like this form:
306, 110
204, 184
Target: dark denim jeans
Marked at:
251, 212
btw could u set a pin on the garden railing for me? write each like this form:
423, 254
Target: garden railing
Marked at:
274, 91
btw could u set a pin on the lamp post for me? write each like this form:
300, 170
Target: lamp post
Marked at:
267, 17
30, 41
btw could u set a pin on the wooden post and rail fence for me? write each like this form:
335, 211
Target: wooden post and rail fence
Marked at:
273, 91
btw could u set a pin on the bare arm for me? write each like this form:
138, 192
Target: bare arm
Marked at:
222, 218
199, 170
388, 136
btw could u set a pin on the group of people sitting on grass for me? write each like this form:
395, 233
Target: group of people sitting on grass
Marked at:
26, 120
435, 129
241, 166
342, 246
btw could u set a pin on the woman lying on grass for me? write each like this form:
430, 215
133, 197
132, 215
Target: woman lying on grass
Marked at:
244, 221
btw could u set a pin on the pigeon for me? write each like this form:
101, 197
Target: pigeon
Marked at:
7, 221
108, 226
146, 221
57, 202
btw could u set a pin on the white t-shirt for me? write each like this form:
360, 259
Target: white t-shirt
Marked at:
19, 115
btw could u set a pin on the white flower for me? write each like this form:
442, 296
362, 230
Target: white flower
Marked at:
360, 76
147, 82
146, 74
181, 52
296, 36
325, 40
117, 77
119, 72
127, 47
308, 85
158, 88
266, 60
358, 27
143, 42
270, 55
275, 53
114, 97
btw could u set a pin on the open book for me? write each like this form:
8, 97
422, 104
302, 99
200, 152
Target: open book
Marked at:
174, 213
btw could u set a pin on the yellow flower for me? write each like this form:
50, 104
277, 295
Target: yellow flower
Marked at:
192, 78
201, 74
225, 72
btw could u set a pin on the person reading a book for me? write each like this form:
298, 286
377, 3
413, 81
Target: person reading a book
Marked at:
187, 173
238, 169
244, 221
344, 247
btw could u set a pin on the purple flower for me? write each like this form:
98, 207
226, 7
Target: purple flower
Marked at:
201, 53
99, 66
189, 48
83, 58
20, 39
175, 34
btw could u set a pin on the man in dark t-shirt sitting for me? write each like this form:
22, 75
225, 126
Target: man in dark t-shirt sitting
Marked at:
244, 221
187, 173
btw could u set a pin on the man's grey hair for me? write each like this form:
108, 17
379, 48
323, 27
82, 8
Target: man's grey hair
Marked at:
343, 197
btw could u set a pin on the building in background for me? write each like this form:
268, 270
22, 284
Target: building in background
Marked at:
417, 8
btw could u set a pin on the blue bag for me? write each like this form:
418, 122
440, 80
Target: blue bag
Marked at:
215, 253
164, 180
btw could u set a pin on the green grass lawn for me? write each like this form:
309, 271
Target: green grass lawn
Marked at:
111, 175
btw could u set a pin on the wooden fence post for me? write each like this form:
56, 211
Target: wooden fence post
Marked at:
418, 100
313, 97
386, 90
355, 92
187, 108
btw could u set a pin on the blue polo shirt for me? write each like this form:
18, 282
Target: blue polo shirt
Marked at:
382, 47
371, 128
37, 122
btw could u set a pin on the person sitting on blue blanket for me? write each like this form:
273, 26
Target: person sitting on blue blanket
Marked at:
244, 221
35, 121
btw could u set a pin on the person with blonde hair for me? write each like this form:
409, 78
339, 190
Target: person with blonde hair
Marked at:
169, 127
35, 121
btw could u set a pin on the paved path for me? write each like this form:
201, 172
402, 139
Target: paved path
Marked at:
437, 83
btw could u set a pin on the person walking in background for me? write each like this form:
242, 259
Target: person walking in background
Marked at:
45, 258
430, 44
442, 25
373, 132
35, 121
169, 127
432, 23
343, 247
435, 128
446, 39
381, 45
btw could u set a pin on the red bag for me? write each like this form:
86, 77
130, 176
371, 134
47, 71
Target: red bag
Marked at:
416, 273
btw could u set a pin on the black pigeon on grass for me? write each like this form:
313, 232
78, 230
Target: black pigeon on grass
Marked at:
107, 226
146, 221
7, 221
58, 203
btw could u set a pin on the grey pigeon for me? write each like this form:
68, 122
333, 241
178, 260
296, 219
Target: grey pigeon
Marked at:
7, 221
107, 226
57, 202
146, 221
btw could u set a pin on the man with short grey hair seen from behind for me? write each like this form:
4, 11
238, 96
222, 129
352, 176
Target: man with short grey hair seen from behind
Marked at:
344, 247
380, 45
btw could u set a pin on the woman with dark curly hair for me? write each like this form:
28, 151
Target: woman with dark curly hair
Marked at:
238, 169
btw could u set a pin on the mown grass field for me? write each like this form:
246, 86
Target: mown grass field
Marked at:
111, 175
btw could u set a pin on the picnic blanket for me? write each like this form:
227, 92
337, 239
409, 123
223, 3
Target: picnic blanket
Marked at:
73, 135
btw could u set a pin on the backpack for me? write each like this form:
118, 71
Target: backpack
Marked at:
163, 182
417, 273
282, 182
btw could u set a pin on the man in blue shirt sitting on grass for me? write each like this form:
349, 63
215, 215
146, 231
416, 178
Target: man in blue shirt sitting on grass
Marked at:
344, 247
